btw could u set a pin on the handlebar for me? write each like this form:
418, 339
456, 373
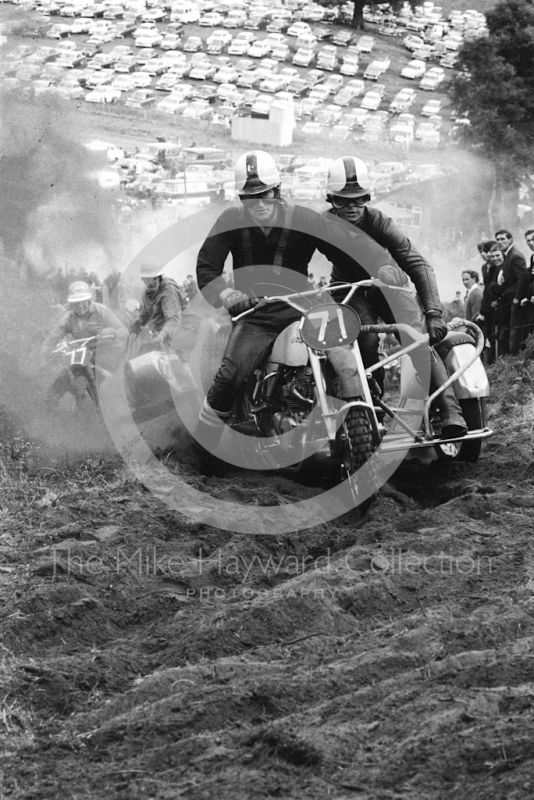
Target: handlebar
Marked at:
288, 298
63, 346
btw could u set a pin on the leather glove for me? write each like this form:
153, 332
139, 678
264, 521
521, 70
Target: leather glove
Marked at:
238, 302
108, 332
436, 327
135, 327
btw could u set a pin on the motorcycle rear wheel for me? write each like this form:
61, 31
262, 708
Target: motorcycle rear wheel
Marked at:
473, 410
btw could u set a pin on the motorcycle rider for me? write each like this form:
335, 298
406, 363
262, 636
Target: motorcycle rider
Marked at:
263, 234
85, 318
164, 311
348, 192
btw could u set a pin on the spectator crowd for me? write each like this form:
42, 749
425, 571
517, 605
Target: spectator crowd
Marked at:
500, 299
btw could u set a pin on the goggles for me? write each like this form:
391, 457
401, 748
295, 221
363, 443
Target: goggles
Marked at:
343, 202
269, 196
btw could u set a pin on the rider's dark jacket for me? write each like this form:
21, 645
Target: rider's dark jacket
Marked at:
290, 244
384, 231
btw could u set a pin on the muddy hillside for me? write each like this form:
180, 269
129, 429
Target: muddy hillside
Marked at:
383, 655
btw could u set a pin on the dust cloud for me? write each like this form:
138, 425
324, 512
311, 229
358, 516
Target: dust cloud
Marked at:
54, 215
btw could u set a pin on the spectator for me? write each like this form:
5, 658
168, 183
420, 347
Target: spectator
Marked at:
487, 316
528, 301
455, 308
473, 295
512, 287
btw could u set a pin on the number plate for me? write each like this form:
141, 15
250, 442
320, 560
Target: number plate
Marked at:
330, 325
78, 356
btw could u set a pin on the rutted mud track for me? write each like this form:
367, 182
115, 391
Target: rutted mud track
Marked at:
376, 657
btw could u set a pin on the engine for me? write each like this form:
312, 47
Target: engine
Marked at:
298, 391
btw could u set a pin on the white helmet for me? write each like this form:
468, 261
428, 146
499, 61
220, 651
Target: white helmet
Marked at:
348, 177
151, 267
256, 172
78, 292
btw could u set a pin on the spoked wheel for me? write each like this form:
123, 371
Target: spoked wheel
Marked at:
355, 440
474, 411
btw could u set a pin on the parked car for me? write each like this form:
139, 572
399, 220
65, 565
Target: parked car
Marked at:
342, 37
211, 19
371, 101
103, 94
239, 47
192, 44
226, 74
203, 72
141, 98
198, 109
312, 128
365, 44
432, 107
415, 69
261, 105
260, 48
173, 104
171, 41
349, 66
303, 57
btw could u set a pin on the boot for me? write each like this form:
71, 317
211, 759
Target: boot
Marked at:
205, 439
453, 424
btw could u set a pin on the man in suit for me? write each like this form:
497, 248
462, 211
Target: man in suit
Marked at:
473, 295
528, 301
512, 288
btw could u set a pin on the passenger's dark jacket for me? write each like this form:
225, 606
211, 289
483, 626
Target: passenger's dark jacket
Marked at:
307, 231
384, 231
167, 310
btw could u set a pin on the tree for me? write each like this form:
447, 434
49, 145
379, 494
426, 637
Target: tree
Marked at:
357, 20
494, 89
